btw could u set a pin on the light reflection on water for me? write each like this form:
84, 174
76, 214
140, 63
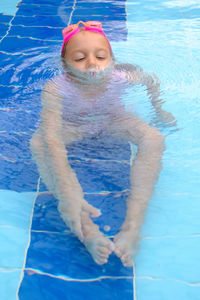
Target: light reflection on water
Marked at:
92, 100
32, 71
170, 48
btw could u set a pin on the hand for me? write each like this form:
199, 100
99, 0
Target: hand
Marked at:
167, 118
71, 214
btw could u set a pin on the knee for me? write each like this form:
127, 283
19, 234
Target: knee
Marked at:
36, 142
154, 140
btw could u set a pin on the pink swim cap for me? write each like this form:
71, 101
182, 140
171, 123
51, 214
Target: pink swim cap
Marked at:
70, 31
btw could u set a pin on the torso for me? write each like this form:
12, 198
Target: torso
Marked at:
92, 108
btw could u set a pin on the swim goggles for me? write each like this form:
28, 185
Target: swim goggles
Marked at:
70, 31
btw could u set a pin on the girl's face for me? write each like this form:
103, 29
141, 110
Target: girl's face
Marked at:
88, 51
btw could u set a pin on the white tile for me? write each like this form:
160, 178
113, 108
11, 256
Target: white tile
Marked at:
15, 221
170, 258
16, 208
13, 243
8, 7
171, 213
165, 290
9, 282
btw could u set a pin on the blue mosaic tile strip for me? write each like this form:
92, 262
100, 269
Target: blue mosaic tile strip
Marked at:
40, 8
54, 251
5, 19
4, 24
63, 254
47, 218
102, 289
18, 171
3, 29
18, 89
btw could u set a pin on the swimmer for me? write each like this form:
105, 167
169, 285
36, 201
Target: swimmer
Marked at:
68, 115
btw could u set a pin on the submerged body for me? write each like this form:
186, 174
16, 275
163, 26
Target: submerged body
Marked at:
91, 106
71, 110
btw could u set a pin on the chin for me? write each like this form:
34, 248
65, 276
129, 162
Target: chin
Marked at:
96, 70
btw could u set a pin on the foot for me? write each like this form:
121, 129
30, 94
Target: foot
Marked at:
126, 246
99, 246
91, 210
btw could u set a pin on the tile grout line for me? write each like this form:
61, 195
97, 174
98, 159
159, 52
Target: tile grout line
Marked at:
38, 184
10, 24
192, 284
73, 9
134, 282
29, 240
67, 278
134, 271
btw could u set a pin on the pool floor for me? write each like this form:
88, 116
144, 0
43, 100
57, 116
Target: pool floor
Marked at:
39, 257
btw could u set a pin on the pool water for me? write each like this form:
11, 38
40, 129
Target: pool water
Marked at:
39, 257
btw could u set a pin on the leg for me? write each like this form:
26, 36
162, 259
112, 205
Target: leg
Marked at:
40, 155
43, 163
37, 146
127, 244
97, 244
143, 176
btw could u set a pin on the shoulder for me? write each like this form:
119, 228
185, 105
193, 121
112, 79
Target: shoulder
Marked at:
126, 67
128, 72
57, 85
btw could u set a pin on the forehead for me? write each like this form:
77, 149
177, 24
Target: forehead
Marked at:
85, 39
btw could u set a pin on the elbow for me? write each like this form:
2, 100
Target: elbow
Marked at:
154, 141
159, 140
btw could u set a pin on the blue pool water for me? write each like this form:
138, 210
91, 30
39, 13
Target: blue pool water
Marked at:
39, 258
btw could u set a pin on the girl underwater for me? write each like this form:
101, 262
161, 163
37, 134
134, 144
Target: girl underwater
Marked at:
85, 101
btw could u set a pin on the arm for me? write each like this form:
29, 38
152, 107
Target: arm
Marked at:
65, 185
152, 84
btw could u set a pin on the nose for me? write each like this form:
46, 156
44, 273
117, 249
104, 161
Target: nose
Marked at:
91, 61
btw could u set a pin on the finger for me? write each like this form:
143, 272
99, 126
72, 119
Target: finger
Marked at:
93, 211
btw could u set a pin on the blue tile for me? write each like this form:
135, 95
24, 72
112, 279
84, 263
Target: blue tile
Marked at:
18, 171
34, 75
43, 20
58, 253
3, 29
17, 44
161, 289
38, 32
36, 286
46, 216
50, 2
113, 207
18, 176
9, 282
32, 9
101, 148
5, 75
15, 146
102, 175
5, 18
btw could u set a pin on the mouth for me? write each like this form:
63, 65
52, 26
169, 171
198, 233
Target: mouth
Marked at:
92, 73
